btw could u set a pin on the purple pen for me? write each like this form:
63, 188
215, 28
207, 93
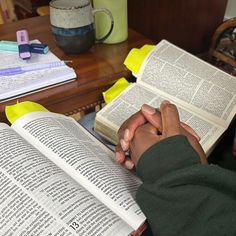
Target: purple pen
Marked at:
23, 44
34, 67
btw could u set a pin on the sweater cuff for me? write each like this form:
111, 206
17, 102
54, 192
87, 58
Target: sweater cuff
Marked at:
171, 154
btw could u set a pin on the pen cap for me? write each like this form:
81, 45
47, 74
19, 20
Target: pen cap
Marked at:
39, 48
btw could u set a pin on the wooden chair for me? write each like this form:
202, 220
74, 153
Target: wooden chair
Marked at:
223, 44
7, 11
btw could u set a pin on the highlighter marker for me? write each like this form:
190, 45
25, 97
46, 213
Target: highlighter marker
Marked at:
39, 48
23, 44
12, 46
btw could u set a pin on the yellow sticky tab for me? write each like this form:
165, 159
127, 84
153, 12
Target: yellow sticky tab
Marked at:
115, 90
14, 112
147, 48
136, 57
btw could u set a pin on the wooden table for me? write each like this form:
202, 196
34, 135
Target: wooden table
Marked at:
96, 69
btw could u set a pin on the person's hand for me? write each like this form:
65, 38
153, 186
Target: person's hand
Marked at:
127, 130
148, 134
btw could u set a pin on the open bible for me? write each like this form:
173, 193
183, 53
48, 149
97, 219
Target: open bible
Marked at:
57, 179
204, 95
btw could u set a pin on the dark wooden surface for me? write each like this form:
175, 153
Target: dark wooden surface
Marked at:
97, 69
189, 24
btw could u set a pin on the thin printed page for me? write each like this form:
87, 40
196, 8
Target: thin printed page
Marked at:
85, 159
131, 100
38, 198
189, 80
14, 85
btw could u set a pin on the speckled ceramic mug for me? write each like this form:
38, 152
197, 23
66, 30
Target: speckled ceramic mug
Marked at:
72, 24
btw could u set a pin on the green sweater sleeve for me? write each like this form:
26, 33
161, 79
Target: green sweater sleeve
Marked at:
180, 196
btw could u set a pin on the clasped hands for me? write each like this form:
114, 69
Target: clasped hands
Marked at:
149, 126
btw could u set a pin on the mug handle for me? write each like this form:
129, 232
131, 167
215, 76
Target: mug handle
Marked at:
106, 11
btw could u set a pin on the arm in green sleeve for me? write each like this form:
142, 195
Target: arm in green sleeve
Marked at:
180, 196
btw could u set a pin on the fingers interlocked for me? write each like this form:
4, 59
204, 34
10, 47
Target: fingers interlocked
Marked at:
149, 126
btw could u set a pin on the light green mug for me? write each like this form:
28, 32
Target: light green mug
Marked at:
118, 8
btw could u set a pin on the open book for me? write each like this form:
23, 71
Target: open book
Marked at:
15, 85
204, 95
57, 179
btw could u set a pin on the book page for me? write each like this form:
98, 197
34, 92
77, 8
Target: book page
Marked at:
38, 198
14, 85
131, 100
189, 80
89, 162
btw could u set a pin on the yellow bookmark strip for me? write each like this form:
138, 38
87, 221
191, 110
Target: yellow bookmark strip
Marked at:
14, 112
136, 57
115, 90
